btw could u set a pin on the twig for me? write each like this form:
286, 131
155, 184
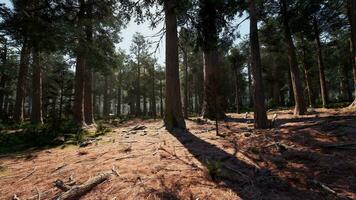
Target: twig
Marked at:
126, 157
60, 167
28, 175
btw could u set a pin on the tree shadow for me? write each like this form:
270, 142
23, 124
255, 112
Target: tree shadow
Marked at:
246, 180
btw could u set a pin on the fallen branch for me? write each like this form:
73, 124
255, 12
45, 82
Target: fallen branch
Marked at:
125, 157
28, 175
60, 167
138, 127
77, 191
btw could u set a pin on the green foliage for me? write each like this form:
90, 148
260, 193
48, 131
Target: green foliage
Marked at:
101, 129
214, 168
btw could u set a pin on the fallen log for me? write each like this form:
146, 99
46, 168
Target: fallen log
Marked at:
77, 191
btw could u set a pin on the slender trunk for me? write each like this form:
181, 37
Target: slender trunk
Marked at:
106, 97
118, 108
78, 106
138, 89
300, 108
36, 114
88, 88
351, 5
260, 115
308, 82
275, 85
153, 97
3, 81
61, 91
237, 91
161, 97
345, 85
173, 117
250, 89
88, 97
322, 81
185, 99
144, 96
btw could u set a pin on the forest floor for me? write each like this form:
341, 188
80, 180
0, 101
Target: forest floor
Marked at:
312, 157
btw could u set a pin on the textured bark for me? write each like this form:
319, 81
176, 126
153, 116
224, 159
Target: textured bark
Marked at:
138, 89
212, 104
173, 113
185, 98
3, 80
88, 87
36, 113
88, 97
144, 95
308, 82
300, 108
106, 109
351, 5
78, 106
322, 81
153, 94
250, 89
237, 91
161, 97
260, 115
346, 91
119, 94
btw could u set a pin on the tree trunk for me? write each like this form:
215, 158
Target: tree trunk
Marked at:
300, 108
250, 89
144, 95
119, 94
237, 91
161, 97
212, 104
36, 113
106, 97
88, 97
88, 87
173, 113
185, 99
345, 86
3, 81
138, 89
308, 82
352, 19
153, 97
260, 115
78, 106
322, 81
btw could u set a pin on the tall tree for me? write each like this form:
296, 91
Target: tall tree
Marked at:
351, 7
260, 115
300, 108
173, 116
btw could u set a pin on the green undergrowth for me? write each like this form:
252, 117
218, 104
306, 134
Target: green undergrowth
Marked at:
22, 137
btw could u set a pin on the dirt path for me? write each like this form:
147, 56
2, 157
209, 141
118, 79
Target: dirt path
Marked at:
300, 159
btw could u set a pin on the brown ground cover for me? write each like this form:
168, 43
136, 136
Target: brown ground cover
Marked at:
310, 157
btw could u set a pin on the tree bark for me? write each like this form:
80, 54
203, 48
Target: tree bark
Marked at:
308, 82
322, 81
36, 113
161, 97
138, 88
78, 106
106, 109
119, 94
260, 115
88, 97
153, 97
3, 80
250, 89
237, 90
173, 113
351, 7
300, 108
88, 87
185, 99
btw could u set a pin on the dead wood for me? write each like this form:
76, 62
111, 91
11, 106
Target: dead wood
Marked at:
59, 167
125, 157
138, 127
29, 174
77, 191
